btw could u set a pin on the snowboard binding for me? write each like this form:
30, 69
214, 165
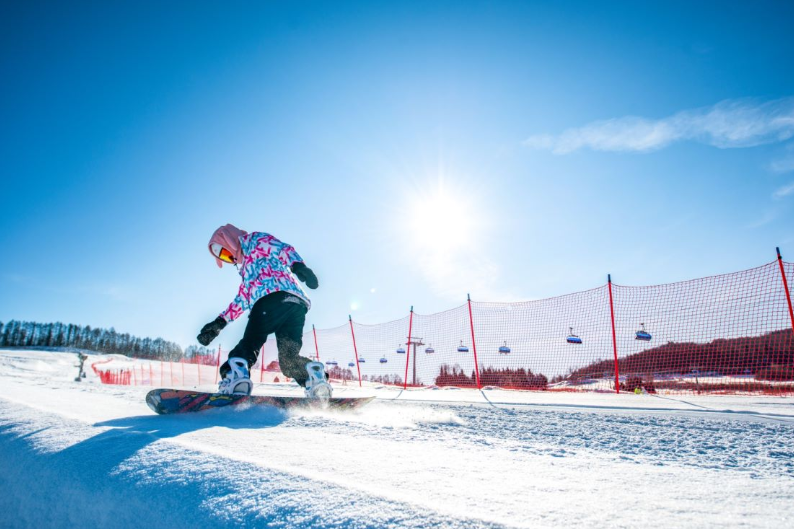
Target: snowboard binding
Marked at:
237, 381
317, 387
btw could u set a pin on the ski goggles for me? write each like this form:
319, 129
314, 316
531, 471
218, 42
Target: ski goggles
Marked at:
222, 253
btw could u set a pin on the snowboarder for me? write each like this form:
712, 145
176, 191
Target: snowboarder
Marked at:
278, 304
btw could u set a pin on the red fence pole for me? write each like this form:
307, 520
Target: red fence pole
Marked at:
474, 344
218, 366
614, 338
316, 349
355, 349
408, 346
785, 287
262, 364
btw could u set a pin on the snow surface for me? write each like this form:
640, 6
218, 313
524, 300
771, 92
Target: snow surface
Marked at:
92, 455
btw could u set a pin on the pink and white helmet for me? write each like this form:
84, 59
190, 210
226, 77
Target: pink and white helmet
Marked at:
227, 237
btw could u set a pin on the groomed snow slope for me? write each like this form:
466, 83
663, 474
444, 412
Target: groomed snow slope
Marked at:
88, 455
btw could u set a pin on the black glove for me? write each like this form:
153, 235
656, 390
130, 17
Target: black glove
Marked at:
305, 274
211, 331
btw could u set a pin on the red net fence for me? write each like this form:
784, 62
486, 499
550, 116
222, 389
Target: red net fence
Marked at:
725, 334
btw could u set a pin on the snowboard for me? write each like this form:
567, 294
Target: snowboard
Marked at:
168, 401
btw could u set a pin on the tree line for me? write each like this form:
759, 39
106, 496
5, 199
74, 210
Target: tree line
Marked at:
339, 373
34, 334
519, 378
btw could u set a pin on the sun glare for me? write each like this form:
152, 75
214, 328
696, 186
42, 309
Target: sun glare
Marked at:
442, 221
440, 224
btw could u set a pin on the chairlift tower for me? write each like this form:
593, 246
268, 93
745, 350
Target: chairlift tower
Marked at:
412, 340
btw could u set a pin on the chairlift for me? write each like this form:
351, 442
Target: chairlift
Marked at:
642, 334
400, 350
331, 363
351, 364
572, 338
383, 360
462, 348
430, 350
361, 361
504, 349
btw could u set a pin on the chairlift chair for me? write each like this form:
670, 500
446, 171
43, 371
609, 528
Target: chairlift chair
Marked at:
504, 349
430, 350
642, 334
462, 348
351, 364
572, 338
383, 360
331, 363
400, 350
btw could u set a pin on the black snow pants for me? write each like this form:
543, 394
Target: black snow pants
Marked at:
283, 314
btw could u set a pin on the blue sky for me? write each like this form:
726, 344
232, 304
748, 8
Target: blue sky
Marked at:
412, 152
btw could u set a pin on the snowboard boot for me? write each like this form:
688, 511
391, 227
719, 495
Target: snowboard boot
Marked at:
317, 386
237, 381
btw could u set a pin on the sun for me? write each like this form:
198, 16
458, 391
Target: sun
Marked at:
442, 220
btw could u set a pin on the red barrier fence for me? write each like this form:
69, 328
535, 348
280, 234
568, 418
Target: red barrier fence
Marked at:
730, 333
185, 373
116, 376
158, 373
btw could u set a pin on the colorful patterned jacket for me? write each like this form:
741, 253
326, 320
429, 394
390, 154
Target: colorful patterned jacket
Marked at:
265, 269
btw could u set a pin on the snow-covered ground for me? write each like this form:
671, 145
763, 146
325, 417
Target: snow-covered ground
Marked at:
88, 455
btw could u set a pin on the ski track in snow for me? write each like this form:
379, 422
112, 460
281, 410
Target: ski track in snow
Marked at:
83, 454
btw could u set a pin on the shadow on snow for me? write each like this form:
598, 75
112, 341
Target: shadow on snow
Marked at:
92, 483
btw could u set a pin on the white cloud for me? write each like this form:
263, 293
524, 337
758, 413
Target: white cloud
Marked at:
768, 217
728, 124
784, 191
785, 164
